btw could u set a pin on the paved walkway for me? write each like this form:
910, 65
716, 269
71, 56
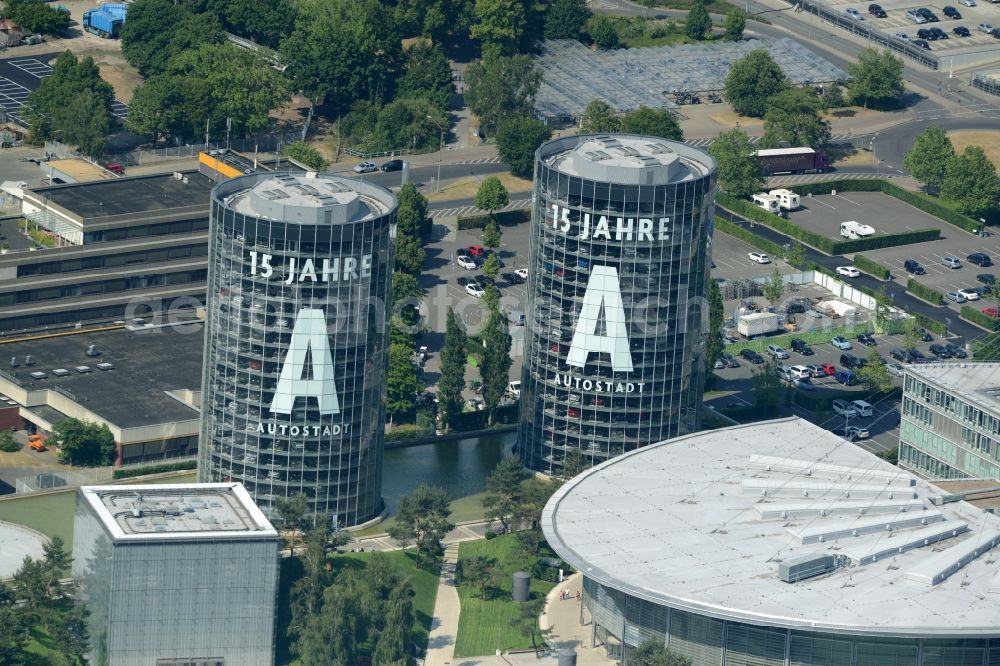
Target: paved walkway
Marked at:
562, 618
444, 623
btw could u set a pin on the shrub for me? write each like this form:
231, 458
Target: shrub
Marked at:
505, 218
885, 240
154, 469
924, 292
7, 442
932, 325
863, 263
408, 431
979, 318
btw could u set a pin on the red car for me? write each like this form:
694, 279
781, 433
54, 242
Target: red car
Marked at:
572, 411
990, 312
477, 250
829, 369
115, 167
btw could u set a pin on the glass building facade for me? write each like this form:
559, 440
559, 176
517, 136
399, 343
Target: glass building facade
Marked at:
621, 622
296, 349
617, 311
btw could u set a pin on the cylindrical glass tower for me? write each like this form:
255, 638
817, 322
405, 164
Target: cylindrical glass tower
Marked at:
296, 347
617, 311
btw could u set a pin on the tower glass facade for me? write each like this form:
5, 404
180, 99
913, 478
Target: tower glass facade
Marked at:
296, 350
617, 309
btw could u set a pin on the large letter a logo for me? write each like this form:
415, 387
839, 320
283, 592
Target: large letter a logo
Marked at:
309, 340
603, 290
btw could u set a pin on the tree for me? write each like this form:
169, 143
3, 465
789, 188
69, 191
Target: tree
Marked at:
291, 516
422, 519
599, 118
928, 159
565, 19
876, 77
601, 31
875, 375
14, 637
698, 22
492, 235
491, 195
411, 211
739, 169
302, 152
498, 25
157, 30
651, 122
752, 81
517, 140
443, 21
499, 88
479, 572
426, 74
655, 653
774, 287
69, 631
403, 385
83, 443
262, 21
342, 51
405, 289
714, 344
795, 255
911, 336
504, 494
734, 25
7, 442
494, 368
526, 621
491, 267
833, 97
792, 117
452, 381
573, 463
767, 388
971, 181
37, 16
156, 107
409, 255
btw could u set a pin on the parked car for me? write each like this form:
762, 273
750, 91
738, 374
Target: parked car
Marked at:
987, 278
979, 259
474, 290
922, 43
784, 374
956, 351
853, 13
115, 167
928, 14
955, 296
853, 433
967, 3
841, 343
925, 335
512, 278
867, 339
970, 293
917, 356
466, 281
365, 167
523, 272
895, 369
913, 267
876, 11
848, 271
476, 251
800, 372
989, 312
759, 257
961, 31
940, 351
925, 33
995, 33
468, 263
951, 12
730, 361
752, 356
900, 355
939, 33
801, 347
777, 352
485, 281
902, 36
985, 27
804, 384
844, 408
915, 16
850, 361
719, 364
950, 261
829, 369
815, 370
845, 377
393, 165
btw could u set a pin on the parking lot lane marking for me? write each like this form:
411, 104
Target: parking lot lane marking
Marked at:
841, 196
823, 203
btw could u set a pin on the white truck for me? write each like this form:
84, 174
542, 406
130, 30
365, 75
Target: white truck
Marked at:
786, 198
767, 202
855, 230
760, 323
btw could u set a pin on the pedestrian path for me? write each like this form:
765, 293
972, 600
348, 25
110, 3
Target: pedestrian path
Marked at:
560, 623
836, 138
447, 608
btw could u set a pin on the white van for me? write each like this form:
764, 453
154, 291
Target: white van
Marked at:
863, 408
515, 318
855, 230
767, 202
786, 198
844, 408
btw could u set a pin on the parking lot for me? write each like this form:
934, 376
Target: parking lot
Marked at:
823, 213
896, 21
731, 262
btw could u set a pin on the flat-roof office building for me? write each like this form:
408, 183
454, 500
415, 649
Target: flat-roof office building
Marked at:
779, 544
619, 265
176, 575
950, 422
296, 348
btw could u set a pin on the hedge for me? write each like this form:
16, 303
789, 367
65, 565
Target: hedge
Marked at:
933, 325
875, 269
409, 431
813, 337
924, 292
979, 318
822, 243
916, 199
129, 472
504, 218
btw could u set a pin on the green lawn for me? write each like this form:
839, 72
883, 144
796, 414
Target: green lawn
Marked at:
462, 509
485, 626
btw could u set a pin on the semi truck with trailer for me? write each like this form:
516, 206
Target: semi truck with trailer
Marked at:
105, 21
792, 160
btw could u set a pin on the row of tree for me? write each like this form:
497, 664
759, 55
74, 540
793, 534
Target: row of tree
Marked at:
38, 16
969, 179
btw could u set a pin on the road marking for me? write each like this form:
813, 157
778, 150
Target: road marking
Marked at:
849, 200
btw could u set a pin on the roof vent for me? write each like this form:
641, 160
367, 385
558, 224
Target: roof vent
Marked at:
82, 369
805, 566
60, 372
27, 360
104, 366
13, 361
38, 374
92, 351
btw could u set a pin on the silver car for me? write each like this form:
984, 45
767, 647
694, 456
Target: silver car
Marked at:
854, 14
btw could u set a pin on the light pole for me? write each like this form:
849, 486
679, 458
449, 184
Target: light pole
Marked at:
437, 183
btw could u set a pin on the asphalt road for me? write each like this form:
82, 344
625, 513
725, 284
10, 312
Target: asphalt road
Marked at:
428, 174
892, 144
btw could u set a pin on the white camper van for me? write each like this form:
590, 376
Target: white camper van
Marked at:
855, 230
767, 202
786, 198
